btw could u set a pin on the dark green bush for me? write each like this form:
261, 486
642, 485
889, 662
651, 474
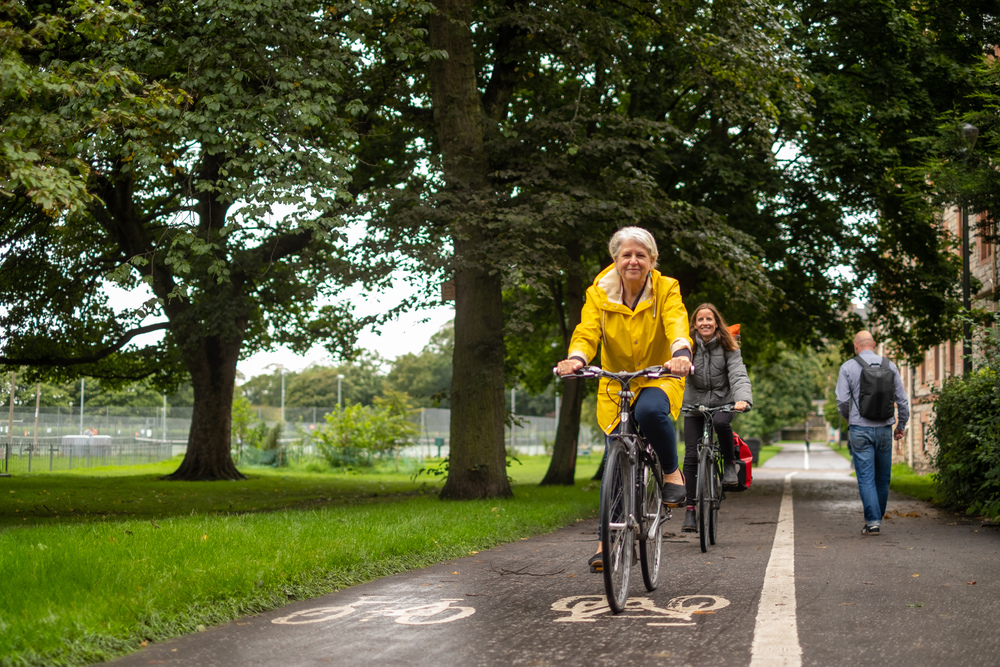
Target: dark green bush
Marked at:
968, 436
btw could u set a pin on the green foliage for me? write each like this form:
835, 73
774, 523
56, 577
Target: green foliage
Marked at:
361, 435
883, 72
783, 391
965, 175
967, 434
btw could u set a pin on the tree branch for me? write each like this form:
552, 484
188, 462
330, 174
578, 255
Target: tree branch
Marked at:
89, 359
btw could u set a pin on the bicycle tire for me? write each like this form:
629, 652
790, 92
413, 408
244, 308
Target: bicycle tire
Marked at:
650, 499
617, 536
714, 501
704, 470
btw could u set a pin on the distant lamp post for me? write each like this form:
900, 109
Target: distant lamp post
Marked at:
970, 133
281, 369
340, 396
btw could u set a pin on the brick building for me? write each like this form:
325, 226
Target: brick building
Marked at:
944, 360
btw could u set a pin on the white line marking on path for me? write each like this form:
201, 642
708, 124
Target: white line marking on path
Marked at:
776, 635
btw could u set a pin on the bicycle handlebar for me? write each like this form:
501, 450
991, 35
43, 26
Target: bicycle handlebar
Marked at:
624, 377
711, 411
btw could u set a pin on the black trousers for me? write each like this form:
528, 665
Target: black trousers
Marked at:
693, 425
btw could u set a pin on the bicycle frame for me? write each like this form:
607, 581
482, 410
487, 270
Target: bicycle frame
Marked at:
710, 493
631, 494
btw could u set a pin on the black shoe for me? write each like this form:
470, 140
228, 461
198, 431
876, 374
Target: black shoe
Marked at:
690, 522
729, 476
596, 563
674, 494
870, 530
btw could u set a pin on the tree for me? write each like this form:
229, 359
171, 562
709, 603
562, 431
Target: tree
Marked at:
426, 377
966, 176
223, 202
362, 383
477, 465
883, 73
783, 391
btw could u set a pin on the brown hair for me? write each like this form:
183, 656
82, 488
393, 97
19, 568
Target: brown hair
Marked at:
721, 330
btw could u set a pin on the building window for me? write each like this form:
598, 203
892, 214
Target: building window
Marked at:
951, 357
923, 438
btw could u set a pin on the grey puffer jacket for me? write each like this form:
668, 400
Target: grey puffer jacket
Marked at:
719, 376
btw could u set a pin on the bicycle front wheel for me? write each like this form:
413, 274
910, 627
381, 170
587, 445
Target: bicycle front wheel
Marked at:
617, 519
704, 494
650, 500
715, 499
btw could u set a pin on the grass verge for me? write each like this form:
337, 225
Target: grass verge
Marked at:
905, 480
98, 563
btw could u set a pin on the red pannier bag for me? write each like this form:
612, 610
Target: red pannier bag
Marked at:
744, 463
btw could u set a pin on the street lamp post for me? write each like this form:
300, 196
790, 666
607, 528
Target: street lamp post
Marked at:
340, 396
282, 370
970, 133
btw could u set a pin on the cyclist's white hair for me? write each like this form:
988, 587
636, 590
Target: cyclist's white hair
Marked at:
637, 234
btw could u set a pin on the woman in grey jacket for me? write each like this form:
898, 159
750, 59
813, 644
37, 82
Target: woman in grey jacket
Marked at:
718, 378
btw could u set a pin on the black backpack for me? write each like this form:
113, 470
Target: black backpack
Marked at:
878, 391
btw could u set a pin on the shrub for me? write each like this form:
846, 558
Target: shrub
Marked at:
361, 435
968, 435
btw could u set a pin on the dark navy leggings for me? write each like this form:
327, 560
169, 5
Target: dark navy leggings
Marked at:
652, 412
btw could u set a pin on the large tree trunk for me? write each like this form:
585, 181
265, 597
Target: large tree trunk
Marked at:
477, 466
212, 363
562, 467
477, 462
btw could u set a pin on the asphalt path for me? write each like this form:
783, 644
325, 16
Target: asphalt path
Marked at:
791, 581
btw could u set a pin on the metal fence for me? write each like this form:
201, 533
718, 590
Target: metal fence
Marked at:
35, 441
23, 455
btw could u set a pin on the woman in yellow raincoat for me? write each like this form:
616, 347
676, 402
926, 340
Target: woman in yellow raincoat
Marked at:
636, 315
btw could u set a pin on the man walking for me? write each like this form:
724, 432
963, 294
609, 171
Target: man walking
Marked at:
869, 394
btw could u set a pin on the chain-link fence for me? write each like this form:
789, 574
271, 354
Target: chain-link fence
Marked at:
24, 455
59, 438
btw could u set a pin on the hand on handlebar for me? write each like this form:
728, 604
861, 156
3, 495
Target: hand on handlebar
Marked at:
679, 366
741, 406
568, 366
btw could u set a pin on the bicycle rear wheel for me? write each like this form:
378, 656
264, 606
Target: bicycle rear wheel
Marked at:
704, 492
617, 537
714, 500
650, 500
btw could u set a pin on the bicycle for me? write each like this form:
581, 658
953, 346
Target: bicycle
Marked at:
711, 467
632, 479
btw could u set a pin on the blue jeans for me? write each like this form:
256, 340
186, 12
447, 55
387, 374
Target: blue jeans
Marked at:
871, 449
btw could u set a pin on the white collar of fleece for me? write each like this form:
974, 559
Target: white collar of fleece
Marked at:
611, 283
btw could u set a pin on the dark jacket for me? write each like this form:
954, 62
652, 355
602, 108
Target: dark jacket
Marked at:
719, 376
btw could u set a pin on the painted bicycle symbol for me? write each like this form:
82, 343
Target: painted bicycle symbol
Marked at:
679, 611
423, 614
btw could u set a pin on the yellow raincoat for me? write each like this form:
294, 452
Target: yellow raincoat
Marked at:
631, 341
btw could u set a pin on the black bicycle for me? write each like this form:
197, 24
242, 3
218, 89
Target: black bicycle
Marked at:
711, 468
632, 511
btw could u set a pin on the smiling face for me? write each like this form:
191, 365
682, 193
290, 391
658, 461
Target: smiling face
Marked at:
633, 263
705, 324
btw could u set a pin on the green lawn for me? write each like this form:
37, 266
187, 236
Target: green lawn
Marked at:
97, 562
